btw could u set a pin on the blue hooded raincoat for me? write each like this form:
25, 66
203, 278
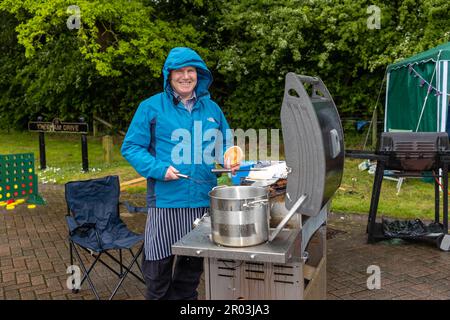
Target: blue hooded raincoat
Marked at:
163, 133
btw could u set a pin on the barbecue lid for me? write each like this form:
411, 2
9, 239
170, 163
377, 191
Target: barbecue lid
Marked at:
413, 151
313, 143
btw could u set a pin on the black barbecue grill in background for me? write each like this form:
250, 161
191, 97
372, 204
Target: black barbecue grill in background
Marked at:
408, 154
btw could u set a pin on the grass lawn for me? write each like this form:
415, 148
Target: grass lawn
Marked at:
416, 198
63, 155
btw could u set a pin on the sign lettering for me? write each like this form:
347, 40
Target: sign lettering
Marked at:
57, 126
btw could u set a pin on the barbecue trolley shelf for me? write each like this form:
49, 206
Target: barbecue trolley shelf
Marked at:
283, 269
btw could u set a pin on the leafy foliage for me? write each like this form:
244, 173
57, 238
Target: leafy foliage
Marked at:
114, 59
106, 67
329, 39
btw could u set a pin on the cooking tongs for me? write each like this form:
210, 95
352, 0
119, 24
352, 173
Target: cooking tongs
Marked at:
221, 170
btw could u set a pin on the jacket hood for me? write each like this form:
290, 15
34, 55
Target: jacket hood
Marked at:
181, 57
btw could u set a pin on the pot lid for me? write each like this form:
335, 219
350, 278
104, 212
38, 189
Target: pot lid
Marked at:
313, 143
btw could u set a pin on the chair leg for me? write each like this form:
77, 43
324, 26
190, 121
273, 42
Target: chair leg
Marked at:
128, 269
86, 273
86, 276
71, 253
105, 264
121, 264
138, 265
117, 261
71, 263
97, 258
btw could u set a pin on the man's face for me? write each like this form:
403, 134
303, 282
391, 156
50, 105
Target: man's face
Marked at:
183, 80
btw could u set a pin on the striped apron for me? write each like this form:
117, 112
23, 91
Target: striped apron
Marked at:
165, 226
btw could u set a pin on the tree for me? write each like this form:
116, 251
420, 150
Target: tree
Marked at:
114, 59
107, 66
263, 40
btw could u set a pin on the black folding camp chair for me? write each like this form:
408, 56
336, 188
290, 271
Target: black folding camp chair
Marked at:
95, 226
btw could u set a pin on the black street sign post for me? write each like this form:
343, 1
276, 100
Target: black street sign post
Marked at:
61, 127
42, 159
84, 147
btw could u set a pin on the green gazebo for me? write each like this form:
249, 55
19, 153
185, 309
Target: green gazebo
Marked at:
418, 92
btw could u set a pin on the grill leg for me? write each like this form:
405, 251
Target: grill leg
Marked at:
436, 200
445, 196
377, 181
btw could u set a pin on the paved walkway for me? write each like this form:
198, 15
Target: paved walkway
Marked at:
408, 270
34, 256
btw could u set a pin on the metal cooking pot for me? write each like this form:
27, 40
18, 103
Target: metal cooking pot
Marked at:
240, 215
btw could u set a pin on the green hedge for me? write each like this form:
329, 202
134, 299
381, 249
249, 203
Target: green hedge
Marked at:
114, 60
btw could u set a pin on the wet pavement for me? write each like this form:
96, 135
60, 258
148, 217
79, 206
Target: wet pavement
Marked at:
34, 256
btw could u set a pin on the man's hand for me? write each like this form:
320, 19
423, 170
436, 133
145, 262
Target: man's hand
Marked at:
171, 174
232, 158
233, 168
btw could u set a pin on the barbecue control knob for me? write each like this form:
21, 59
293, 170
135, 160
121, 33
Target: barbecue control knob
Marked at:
305, 256
253, 256
198, 252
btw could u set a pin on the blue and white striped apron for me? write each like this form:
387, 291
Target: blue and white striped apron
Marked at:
165, 226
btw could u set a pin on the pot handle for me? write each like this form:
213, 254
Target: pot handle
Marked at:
198, 220
221, 186
252, 203
287, 217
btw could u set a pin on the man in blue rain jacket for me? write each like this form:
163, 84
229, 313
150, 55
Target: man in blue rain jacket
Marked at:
178, 131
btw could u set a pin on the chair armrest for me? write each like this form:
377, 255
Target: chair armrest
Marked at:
83, 230
71, 223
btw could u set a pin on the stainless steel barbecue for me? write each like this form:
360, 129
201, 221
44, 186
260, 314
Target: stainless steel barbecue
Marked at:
290, 263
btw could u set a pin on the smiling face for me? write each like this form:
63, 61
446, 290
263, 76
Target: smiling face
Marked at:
183, 81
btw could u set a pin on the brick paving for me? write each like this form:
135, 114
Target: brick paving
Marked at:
34, 256
411, 271
34, 253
